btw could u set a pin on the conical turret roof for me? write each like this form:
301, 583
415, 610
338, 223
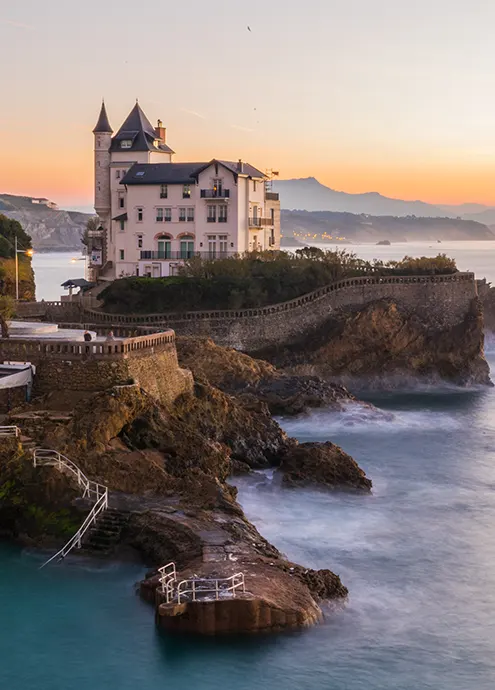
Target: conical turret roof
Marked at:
103, 125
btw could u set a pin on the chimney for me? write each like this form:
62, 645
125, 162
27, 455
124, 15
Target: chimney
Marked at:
240, 166
161, 132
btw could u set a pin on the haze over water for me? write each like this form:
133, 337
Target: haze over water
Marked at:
418, 556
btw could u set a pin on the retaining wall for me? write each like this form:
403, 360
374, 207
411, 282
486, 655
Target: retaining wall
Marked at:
441, 300
151, 361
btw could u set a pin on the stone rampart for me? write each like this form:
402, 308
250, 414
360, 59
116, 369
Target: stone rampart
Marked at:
443, 301
150, 361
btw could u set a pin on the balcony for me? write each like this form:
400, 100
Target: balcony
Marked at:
260, 222
215, 193
272, 196
183, 255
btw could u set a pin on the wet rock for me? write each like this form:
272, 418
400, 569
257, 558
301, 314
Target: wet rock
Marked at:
324, 464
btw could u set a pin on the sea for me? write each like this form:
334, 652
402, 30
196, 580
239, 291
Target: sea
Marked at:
418, 557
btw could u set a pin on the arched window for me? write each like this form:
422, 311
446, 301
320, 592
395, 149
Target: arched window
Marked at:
164, 247
186, 246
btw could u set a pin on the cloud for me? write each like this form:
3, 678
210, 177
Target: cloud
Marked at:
193, 112
18, 25
242, 129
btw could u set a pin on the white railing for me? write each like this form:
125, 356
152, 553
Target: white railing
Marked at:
53, 458
75, 541
199, 588
168, 578
10, 431
92, 490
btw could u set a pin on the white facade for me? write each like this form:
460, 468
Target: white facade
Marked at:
155, 213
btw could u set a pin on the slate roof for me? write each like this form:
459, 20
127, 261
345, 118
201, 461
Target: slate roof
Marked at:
138, 129
123, 216
180, 173
161, 173
103, 125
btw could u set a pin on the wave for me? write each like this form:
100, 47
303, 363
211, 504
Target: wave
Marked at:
358, 418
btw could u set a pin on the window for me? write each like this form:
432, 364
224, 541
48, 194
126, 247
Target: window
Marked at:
217, 187
122, 225
254, 185
140, 214
168, 215
190, 214
212, 246
140, 173
222, 244
186, 191
186, 247
159, 215
182, 215
222, 213
117, 174
163, 191
121, 200
140, 241
121, 254
212, 214
164, 247
126, 144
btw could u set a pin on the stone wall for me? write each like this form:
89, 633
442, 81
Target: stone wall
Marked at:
150, 361
442, 301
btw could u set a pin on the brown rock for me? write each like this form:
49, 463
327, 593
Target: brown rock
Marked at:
325, 464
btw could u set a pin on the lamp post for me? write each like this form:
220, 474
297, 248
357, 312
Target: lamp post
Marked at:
28, 252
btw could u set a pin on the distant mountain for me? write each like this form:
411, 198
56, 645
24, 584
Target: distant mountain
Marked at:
50, 227
317, 226
461, 210
310, 195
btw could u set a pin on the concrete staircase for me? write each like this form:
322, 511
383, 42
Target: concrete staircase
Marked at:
104, 538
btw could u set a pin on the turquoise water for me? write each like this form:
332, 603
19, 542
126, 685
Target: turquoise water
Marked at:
418, 556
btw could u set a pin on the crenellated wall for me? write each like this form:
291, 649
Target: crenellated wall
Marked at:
150, 361
442, 301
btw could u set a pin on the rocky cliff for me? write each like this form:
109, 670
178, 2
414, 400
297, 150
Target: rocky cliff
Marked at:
167, 468
51, 229
383, 344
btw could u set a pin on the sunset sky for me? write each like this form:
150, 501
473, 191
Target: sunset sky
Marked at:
365, 95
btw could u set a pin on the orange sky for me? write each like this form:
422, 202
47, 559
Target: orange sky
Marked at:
391, 97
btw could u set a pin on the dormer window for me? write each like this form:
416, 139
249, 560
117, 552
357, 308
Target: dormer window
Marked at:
156, 143
126, 144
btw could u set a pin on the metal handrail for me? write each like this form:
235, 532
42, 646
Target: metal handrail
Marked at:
44, 456
201, 586
168, 578
75, 541
10, 431
91, 489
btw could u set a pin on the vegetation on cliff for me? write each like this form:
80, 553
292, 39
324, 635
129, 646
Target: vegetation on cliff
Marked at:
9, 230
254, 280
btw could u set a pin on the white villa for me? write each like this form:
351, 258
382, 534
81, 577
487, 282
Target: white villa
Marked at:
155, 213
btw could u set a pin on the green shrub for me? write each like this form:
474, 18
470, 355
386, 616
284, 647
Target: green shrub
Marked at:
254, 280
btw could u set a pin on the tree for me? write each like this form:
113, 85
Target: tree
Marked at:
92, 224
9, 230
6, 313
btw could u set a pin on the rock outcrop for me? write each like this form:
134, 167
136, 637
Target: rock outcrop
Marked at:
382, 345
251, 379
166, 468
325, 464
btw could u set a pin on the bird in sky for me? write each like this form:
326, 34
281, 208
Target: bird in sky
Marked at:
249, 29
